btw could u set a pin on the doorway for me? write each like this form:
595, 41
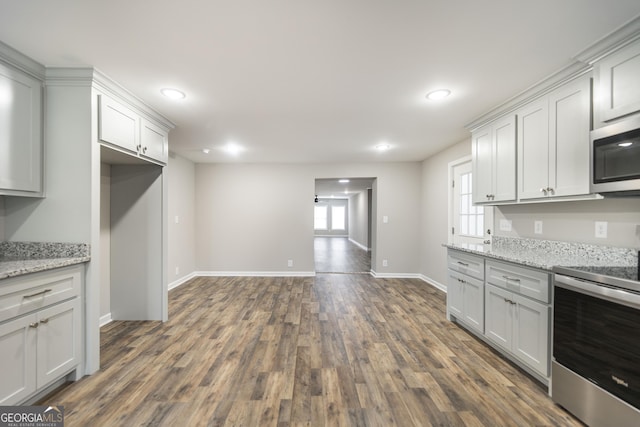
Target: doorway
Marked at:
343, 237
468, 224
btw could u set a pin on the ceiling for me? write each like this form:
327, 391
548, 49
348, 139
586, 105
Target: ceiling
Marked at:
314, 81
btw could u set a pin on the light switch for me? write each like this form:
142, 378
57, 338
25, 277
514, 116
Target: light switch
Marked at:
385, 219
177, 219
601, 229
505, 225
537, 227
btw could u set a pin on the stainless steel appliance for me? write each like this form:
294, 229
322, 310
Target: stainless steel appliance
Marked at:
615, 159
595, 371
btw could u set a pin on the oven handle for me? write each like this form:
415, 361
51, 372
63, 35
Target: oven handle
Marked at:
618, 296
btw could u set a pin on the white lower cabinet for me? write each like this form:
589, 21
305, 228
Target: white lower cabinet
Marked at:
518, 325
465, 292
38, 348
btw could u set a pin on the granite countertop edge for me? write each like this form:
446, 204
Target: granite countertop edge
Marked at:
547, 254
20, 267
19, 258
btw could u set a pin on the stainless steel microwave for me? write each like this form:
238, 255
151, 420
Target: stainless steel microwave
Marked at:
615, 159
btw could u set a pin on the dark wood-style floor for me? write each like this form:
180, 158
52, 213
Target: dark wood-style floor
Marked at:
340, 255
338, 350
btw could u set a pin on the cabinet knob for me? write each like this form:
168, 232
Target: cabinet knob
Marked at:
488, 196
550, 191
45, 321
33, 325
144, 149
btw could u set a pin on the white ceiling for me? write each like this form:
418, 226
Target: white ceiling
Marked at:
314, 81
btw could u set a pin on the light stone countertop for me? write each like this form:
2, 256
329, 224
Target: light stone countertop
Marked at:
545, 254
18, 258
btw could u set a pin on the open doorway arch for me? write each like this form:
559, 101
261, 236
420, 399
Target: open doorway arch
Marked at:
344, 212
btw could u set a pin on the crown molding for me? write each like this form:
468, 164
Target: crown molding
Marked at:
94, 78
22, 62
581, 64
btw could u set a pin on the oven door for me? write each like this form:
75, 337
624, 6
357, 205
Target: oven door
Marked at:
596, 334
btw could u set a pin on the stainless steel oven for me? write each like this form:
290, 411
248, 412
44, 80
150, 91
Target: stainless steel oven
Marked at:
596, 344
615, 159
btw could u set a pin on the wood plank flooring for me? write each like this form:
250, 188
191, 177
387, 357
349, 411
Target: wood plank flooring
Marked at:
334, 350
340, 255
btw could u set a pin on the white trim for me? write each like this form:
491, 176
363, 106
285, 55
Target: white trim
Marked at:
255, 273
433, 283
394, 275
182, 280
360, 245
105, 320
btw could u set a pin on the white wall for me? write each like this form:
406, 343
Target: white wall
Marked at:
255, 217
575, 221
1, 218
358, 218
435, 229
182, 243
105, 241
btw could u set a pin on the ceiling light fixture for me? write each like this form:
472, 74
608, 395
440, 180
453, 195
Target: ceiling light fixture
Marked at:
232, 148
174, 94
383, 147
206, 150
343, 181
438, 94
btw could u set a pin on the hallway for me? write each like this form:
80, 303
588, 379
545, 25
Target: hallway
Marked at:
339, 255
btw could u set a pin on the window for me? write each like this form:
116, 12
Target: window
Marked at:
471, 217
338, 218
320, 217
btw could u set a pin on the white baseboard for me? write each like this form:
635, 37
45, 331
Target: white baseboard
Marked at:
434, 283
394, 275
255, 273
105, 320
182, 280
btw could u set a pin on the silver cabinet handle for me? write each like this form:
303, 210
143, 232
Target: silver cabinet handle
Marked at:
33, 325
513, 279
144, 149
550, 191
37, 293
45, 321
543, 191
464, 264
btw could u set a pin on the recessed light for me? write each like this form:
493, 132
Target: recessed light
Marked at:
172, 93
438, 94
232, 148
383, 147
206, 150
343, 181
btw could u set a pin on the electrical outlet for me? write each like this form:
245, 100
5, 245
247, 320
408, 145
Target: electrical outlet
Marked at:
177, 219
537, 227
505, 225
289, 263
385, 219
177, 270
601, 229
385, 263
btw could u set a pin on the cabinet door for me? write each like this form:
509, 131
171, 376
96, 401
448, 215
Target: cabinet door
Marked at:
153, 142
117, 124
620, 83
18, 359
533, 150
58, 341
569, 124
482, 158
20, 132
473, 304
531, 333
454, 295
498, 323
504, 166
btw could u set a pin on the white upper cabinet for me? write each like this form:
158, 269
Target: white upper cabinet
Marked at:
553, 143
154, 141
122, 128
494, 162
21, 142
619, 83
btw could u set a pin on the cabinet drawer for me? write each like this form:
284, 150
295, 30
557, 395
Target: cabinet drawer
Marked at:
24, 294
462, 262
525, 281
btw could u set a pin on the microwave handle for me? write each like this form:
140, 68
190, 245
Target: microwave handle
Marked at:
618, 296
